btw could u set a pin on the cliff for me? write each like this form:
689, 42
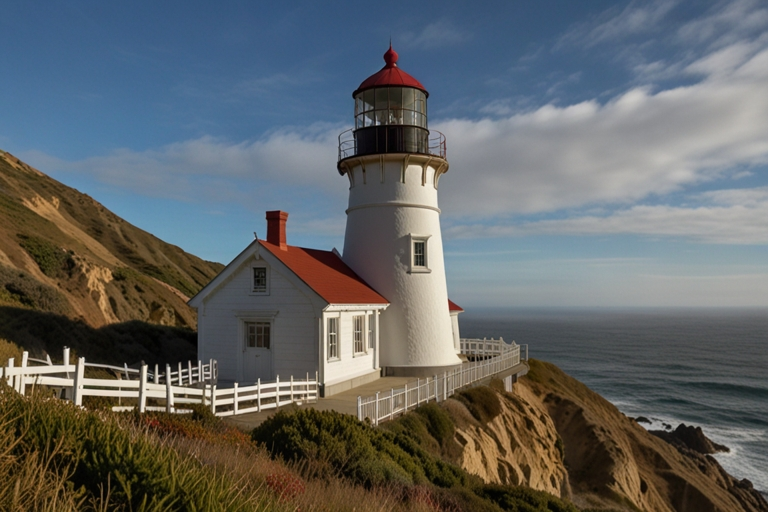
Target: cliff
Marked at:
70, 265
555, 434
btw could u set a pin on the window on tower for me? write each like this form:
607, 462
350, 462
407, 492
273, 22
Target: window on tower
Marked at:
419, 254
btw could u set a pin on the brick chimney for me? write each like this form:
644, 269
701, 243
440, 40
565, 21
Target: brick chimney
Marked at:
276, 228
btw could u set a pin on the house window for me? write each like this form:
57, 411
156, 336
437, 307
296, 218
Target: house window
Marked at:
259, 280
370, 331
257, 334
333, 338
419, 254
358, 323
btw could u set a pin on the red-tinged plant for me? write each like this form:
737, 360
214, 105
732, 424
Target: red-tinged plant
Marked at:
285, 485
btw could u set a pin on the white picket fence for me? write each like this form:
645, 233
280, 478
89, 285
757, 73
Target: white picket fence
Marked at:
386, 406
488, 347
153, 391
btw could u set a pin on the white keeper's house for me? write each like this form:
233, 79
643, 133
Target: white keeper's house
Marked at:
381, 307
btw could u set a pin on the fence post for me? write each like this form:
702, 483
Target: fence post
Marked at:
234, 399
189, 369
199, 371
20, 378
437, 395
10, 380
406, 396
143, 388
77, 386
359, 409
156, 376
258, 395
392, 403
213, 399
291, 388
65, 359
306, 389
317, 387
168, 390
127, 376
376, 410
418, 392
181, 381
277, 392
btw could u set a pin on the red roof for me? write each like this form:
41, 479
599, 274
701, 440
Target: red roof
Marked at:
390, 74
452, 306
326, 274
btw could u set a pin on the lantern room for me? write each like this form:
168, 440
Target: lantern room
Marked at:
390, 115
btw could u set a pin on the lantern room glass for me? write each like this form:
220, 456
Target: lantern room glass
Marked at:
391, 106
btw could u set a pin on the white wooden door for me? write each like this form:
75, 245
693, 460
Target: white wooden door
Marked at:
257, 352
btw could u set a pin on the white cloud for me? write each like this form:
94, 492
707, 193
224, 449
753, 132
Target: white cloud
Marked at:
615, 24
436, 34
726, 23
730, 224
636, 145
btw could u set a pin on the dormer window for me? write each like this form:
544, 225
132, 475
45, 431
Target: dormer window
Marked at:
260, 285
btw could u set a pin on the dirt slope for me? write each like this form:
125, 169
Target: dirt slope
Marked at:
64, 253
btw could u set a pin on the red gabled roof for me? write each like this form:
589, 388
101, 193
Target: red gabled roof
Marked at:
326, 274
452, 306
390, 74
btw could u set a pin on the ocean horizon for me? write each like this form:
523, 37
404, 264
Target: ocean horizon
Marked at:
703, 367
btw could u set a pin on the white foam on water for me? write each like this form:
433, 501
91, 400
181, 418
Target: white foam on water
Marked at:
739, 462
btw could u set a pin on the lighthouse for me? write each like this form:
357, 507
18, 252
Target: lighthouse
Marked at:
393, 241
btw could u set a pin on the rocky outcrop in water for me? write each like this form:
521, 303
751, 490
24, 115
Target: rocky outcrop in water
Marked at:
557, 435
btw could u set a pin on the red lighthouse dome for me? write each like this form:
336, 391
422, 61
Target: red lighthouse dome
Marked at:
390, 115
390, 74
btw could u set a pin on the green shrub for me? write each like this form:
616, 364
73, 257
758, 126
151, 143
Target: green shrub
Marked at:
96, 450
20, 289
52, 260
482, 402
439, 423
525, 499
354, 450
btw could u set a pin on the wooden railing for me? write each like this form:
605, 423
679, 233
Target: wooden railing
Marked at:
386, 406
188, 384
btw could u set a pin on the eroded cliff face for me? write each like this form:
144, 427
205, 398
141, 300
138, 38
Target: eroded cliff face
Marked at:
518, 447
610, 462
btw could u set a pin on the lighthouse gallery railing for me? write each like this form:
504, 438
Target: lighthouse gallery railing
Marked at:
348, 145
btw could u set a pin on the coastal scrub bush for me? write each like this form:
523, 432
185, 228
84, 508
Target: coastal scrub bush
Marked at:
96, 460
525, 499
481, 401
52, 260
18, 288
352, 449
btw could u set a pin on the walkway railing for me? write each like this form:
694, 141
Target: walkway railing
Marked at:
190, 384
386, 406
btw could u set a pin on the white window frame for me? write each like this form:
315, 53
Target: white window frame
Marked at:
419, 269
256, 324
371, 337
358, 338
332, 338
254, 291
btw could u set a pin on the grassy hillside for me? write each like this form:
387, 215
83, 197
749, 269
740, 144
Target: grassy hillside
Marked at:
64, 254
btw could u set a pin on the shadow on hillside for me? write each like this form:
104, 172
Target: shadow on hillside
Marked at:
127, 342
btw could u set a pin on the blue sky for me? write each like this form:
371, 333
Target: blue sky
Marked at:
602, 153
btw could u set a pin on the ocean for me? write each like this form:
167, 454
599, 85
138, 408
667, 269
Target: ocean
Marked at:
707, 368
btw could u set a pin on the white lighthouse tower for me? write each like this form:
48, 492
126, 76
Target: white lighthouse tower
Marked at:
393, 238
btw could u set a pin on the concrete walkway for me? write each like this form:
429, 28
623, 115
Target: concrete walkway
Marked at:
345, 402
